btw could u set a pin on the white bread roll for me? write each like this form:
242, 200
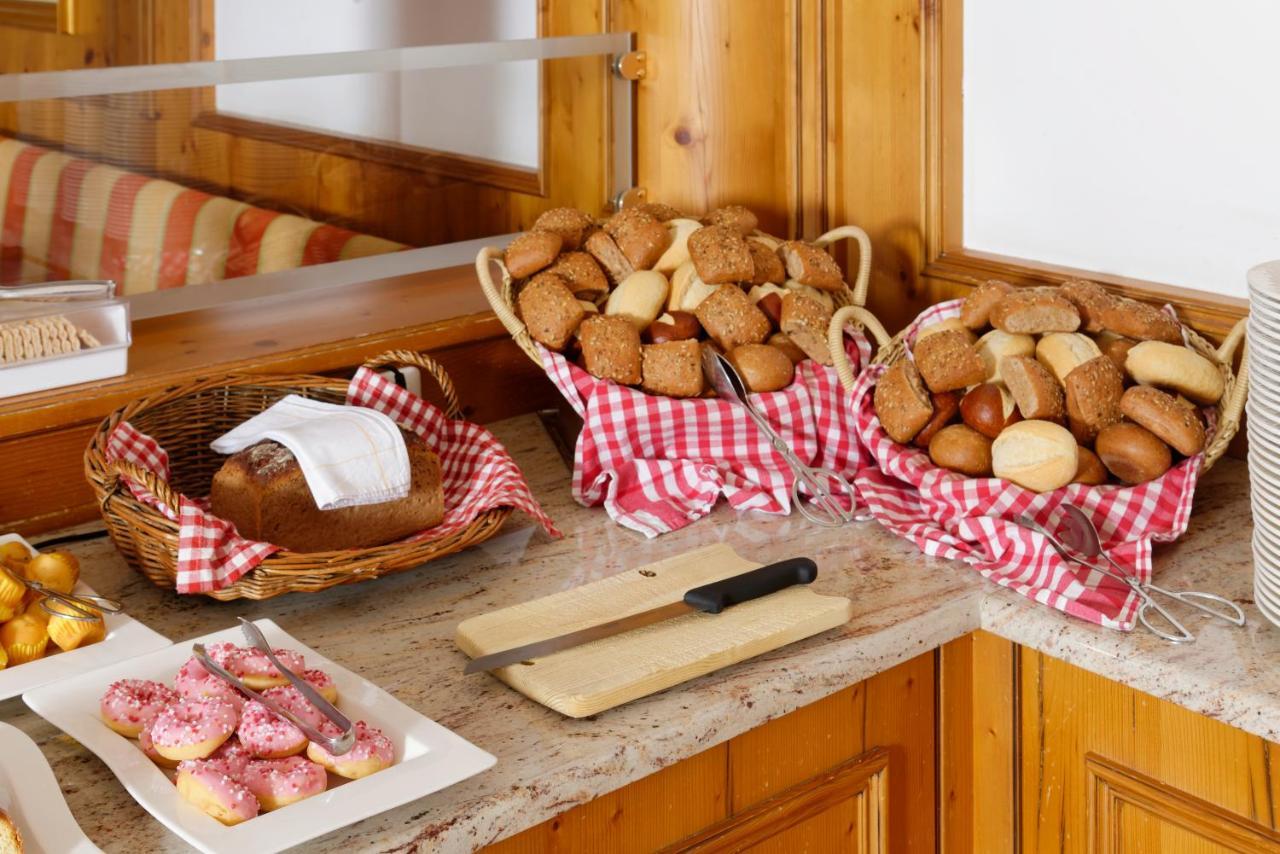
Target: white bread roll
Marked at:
687, 290
997, 344
1176, 367
639, 298
1037, 455
678, 248
1063, 352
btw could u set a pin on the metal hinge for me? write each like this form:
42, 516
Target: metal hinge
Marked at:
630, 197
630, 66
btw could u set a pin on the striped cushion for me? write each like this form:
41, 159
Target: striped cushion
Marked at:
63, 217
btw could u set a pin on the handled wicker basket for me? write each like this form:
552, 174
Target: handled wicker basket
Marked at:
184, 420
1229, 408
503, 298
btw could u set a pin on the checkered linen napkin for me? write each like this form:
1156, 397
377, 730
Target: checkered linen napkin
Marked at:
476, 471
971, 519
657, 463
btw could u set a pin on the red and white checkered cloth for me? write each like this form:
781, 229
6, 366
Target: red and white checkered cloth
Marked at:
658, 463
477, 475
970, 519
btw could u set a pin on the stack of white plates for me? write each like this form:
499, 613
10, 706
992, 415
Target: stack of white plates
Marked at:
1263, 411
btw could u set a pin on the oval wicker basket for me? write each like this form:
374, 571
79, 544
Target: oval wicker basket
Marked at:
1229, 408
503, 298
184, 420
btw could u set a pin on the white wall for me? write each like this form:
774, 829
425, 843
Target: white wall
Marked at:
484, 111
1136, 137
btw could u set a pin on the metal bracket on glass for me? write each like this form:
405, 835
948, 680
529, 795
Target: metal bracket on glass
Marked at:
629, 66
630, 197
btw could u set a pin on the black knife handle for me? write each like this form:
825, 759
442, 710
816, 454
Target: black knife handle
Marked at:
715, 597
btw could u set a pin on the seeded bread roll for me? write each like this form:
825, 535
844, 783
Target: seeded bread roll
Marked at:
1093, 396
811, 266
661, 212
549, 310
1176, 425
531, 252
766, 264
611, 348
763, 368
720, 254
901, 402
611, 259
1178, 368
1089, 470
1114, 347
975, 312
582, 274
786, 345
805, 322
961, 449
996, 345
641, 238
1038, 455
736, 217
947, 361
1037, 393
946, 405
943, 326
1035, 311
731, 320
673, 369
1063, 352
1132, 453
1090, 299
571, 224
1140, 321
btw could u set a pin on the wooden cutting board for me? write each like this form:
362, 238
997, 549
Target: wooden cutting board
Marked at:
602, 674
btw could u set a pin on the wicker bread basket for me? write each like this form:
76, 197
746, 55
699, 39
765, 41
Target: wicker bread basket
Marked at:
502, 297
1229, 408
184, 420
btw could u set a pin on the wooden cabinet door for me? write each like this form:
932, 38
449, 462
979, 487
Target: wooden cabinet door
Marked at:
1108, 769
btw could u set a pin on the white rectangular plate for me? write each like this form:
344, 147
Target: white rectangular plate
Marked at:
30, 795
126, 637
428, 756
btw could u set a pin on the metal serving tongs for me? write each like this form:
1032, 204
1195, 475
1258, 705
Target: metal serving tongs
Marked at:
1082, 539
81, 607
829, 513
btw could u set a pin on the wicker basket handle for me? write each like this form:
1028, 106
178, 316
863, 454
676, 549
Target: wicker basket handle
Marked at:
453, 408
1233, 407
860, 318
123, 470
498, 301
847, 232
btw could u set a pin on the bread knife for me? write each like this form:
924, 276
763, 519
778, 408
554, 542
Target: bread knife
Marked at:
708, 599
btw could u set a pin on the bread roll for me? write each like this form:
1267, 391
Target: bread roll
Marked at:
1114, 347
809, 265
673, 326
1093, 392
1063, 352
996, 345
1090, 299
823, 297
639, 235
571, 224
687, 290
531, 252
1090, 471
943, 326
975, 312
639, 298
1162, 414
763, 368
1132, 453
720, 254
1174, 366
583, 275
673, 368
786, 345
961, 449
805, 322
989, 408
947, 361
1035, 311
766, 263
1038, 455
611, 259
662, 213
677, 251
946, 405
731, 320
901, 402
1140, 321
737, 217
1037, 393
549, 310
611, 348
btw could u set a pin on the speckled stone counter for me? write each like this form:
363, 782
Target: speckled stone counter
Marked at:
398, 632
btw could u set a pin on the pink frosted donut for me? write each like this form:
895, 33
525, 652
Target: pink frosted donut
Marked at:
206, 785
193, 729
373, 751
222, 653
130, 704
266, 735
323, 683
231, 757
256, 670
195, 682
292, 700
280, 782
144, 742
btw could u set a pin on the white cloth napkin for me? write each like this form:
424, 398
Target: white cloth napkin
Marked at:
349, 455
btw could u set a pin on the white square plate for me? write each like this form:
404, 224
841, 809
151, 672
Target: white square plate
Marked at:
428, 756
126, 637
30, 795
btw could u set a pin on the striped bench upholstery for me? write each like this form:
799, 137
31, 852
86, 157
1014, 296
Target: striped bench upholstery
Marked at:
64, 217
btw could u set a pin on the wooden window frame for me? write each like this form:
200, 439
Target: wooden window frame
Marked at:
948, 259
54, 17
413, 158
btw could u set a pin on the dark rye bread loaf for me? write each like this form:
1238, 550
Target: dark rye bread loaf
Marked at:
262, 491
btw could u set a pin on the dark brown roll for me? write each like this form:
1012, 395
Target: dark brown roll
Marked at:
946, 405
1089, 470
989, 409
961, 449
763, 368
1132, 453
1178, 425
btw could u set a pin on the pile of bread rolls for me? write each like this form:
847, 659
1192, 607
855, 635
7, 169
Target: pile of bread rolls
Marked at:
1047, 386
635, 299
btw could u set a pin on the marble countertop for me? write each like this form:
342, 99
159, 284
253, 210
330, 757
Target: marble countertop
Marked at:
398, 633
